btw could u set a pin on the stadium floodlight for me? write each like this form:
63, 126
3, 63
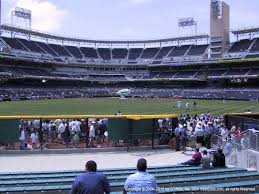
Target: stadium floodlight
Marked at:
25, 14
183, 22
216, 8
187, 22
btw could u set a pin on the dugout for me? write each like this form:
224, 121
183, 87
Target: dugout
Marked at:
120, 127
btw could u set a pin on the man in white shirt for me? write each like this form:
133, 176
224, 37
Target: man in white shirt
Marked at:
22, 139
141, 181
61, 130
160, 124
92, 134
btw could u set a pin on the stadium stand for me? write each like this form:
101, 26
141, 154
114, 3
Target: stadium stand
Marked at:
149, 53
179, 51
197, 50
184, 74
164, 75
14, 43
104, 53
255, 47
163, 52
240, 46
157, 62
178, 176
252, 56
89, 52
31, 45
60, 50
135, 53
47, 49
119, 53
74, 51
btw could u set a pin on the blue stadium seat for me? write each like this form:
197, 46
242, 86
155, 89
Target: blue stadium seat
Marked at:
32, 176
122, 177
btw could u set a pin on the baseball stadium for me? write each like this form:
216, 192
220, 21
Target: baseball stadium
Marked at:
177, 114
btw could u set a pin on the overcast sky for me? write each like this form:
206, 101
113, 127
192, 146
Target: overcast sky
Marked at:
125, 19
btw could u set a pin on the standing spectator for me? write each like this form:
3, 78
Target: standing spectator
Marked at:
177, 137
195, 160
199, 133
160, 124
92, 134
141, 181
53, 130
219, 159
61, 130
67, 134
22, 139
205, 161
208, 131
45, 129
184, 137
224, 133
33, 139
83, 127
91, 182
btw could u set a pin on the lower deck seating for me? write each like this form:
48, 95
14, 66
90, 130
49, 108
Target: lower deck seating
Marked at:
170, 179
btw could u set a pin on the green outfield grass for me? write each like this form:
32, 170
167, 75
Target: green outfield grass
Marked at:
128, 106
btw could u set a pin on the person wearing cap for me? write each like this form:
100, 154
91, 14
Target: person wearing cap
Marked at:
91, 182
141, 181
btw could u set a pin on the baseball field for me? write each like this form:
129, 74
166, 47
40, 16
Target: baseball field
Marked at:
126, 106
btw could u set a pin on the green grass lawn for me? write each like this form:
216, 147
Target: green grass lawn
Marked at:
128, 106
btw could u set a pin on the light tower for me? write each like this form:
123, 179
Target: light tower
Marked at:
187, 26
219, 28
21, 13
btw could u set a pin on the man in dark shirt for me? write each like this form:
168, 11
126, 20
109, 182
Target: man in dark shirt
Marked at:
91, 182
219, 159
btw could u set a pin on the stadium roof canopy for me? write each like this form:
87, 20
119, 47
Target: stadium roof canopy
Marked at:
251, 32
15, 30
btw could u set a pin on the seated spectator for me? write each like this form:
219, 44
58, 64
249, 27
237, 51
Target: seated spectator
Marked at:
219, 159
141, 181
91, 182
196, 159
205, 161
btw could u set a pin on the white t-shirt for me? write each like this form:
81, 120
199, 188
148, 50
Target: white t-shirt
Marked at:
92, 131
33, 138
61, 128
160, 123
22, 137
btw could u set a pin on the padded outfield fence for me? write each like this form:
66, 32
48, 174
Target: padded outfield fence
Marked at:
123, 130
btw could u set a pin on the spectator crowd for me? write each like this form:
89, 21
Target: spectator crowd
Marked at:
69, 133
